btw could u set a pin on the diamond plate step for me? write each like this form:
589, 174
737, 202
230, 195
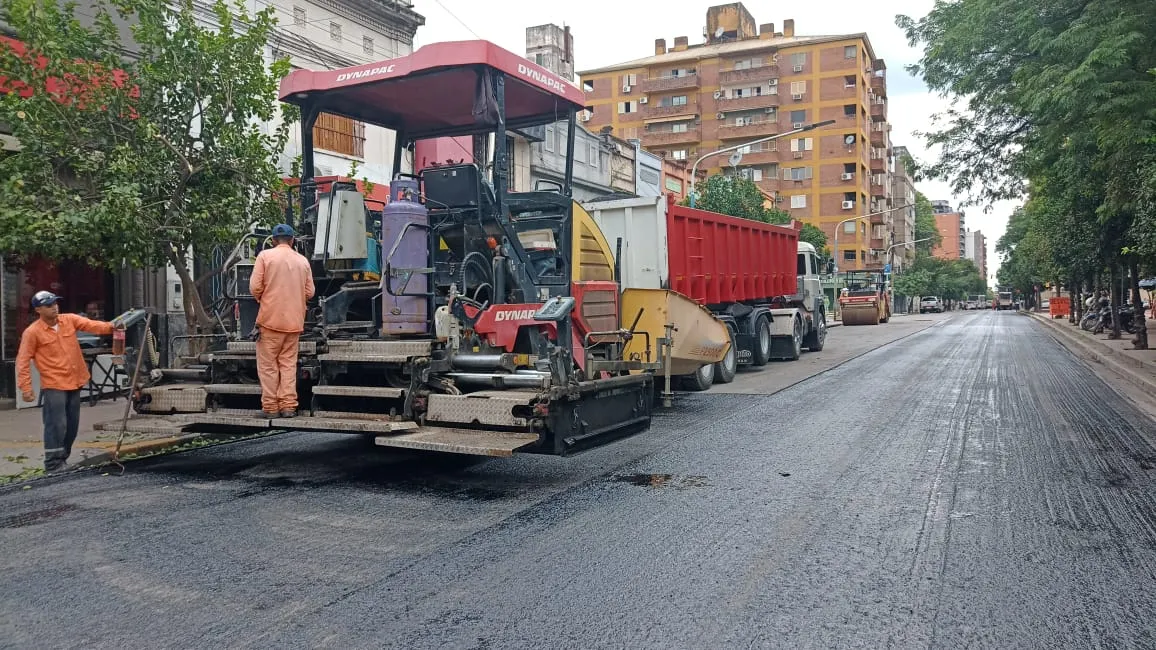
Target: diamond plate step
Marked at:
250, 347
460, 441
384, 348
489, 407
233, 389
359, 391
174, 398
360, 357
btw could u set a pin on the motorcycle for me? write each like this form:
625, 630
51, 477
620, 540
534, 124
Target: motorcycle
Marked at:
1126, 314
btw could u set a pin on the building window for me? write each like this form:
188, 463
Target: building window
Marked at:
850, 51
848, 256
848, 168
673, 185
588, 86
849, 228
549, 138
679, 154
848, 110
299, 16
798, 60
678, 100
798, 87
849, 196
802, 144
798, 117
339, 135
367, 45
335, 31
678, 127
625, 107
799, 201
849, 81
796, 173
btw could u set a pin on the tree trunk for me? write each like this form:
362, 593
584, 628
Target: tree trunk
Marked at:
1114, 293
1073, 298
1141, 340
199, 320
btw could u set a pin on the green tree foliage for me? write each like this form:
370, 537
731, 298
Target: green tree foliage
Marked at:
136, 160
737, 197
814, 236
948, 279
925, 225
1056, 101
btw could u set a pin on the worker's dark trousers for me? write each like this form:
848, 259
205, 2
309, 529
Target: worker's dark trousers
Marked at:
61, 413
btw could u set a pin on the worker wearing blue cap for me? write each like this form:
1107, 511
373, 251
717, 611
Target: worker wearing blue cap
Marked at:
282, 283
51, 343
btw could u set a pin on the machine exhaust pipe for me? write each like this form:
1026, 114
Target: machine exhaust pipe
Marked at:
499, 380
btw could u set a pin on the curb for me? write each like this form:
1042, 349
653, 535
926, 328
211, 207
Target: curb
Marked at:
1093, 351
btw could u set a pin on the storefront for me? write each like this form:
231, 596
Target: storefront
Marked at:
83, 290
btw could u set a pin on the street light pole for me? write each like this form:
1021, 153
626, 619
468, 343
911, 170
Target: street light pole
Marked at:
694, 168
838, 226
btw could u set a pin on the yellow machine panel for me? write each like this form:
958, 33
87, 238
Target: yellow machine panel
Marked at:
701, 338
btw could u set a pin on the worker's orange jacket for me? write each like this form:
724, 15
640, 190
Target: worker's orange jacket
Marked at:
56, 353
282, 282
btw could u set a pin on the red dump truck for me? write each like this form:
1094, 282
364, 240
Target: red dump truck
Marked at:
757, 279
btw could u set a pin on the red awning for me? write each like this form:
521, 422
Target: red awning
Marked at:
435, 91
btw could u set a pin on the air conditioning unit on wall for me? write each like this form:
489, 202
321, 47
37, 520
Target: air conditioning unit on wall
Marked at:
848, 205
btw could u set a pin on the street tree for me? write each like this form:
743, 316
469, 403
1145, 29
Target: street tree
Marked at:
925, 227
736, 196
138, 160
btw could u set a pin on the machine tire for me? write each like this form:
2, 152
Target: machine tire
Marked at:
725, 370
818, 338
761, 355
699, 381
796, 340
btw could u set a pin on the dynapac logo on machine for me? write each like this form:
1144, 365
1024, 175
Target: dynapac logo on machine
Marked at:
363, 74
549, 81
514, 314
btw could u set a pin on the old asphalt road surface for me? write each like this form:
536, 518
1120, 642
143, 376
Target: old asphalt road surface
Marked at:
976, 487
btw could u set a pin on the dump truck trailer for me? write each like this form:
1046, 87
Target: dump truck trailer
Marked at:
757, 280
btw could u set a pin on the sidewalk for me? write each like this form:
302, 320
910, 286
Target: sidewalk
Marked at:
1137, 366
22, 446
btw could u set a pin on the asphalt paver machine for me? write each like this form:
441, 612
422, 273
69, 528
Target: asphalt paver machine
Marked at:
460, 317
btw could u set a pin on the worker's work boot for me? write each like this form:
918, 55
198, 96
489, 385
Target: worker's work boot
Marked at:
288, 414
264, 415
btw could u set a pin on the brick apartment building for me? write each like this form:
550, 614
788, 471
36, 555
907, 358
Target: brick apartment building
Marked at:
953, 229
748, 81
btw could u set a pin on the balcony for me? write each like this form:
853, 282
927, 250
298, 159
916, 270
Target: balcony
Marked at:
748, 103
658, 138
879, 84
654, 111
878, 164
879, 109
752, 130
877, 244
878, 219
760, 157
878, 138
760, 73
768, 184
663, 84
878, 189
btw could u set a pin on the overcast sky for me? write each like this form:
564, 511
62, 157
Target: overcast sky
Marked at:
607, 32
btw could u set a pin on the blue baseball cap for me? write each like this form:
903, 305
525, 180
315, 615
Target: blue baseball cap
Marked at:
283, 230
44, 299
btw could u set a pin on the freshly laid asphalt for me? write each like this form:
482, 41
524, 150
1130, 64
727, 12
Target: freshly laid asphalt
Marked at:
971, 485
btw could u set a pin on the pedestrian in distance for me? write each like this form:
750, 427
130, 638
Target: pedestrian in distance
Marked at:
51, 342
282, 283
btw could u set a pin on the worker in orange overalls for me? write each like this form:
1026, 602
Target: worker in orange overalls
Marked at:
282, 283
51, 343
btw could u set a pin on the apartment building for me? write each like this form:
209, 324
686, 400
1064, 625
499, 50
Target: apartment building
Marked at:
952, 227
903, 217
749, 81
975, 249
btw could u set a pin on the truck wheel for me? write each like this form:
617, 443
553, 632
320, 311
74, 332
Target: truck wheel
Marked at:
762, 352
725, 370
701, 380
818, 337
796, 340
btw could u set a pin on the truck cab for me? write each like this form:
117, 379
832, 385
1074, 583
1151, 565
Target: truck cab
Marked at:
810, 291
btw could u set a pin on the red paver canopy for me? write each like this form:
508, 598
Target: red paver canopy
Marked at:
436, 91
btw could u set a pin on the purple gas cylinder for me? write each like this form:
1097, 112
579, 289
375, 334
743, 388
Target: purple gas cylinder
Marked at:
404, 252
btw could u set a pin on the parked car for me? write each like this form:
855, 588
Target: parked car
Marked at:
930, 303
